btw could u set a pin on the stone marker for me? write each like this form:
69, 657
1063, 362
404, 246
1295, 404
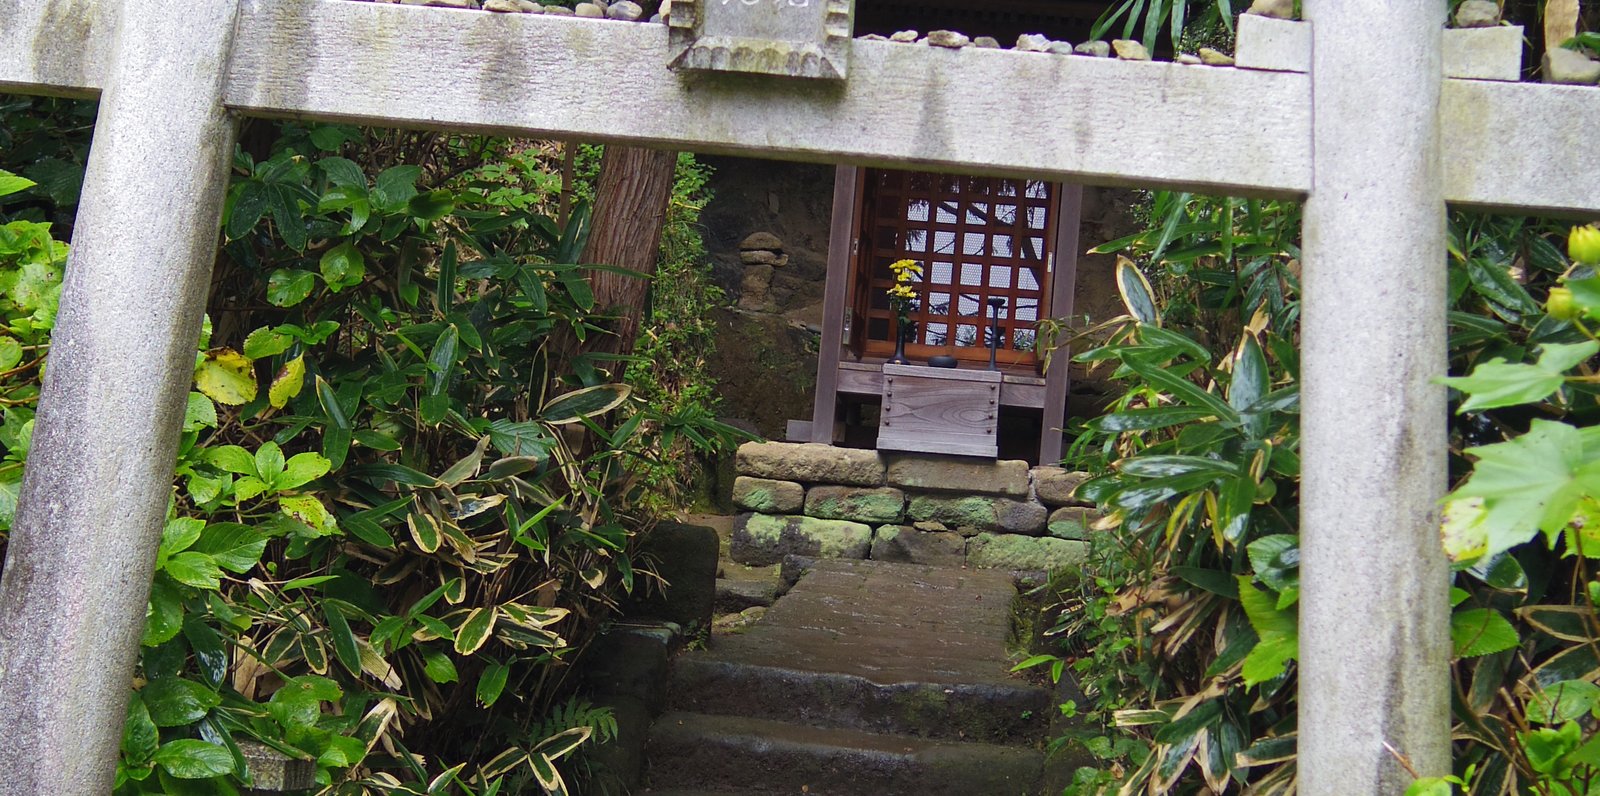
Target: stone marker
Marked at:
949, 39
1478, 14
1277, 9
809, 40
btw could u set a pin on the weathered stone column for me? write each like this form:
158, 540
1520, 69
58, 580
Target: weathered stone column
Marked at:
82, 550
1374, 640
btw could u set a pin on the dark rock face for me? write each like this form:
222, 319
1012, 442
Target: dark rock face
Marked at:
686, 557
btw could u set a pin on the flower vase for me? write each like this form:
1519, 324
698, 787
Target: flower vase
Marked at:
899, 357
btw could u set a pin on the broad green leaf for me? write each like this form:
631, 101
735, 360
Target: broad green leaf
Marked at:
233, 546
1163, 466
344, 641
309, 510
10, 352
342, 751
174, 701
562, 743
1493, 281
11, 183
475, 629
439, 667
1148, 419
424, 531
1529, 484
586, 403
1480, 631
140, 737
194, 569
232, 458
287, 287
395, 186
1137, 295
1430, 786
343, 266
1497, 383
442, 361
491, 682
1564, 701
269, 462
287, 384
1250, 384
248, 205
342, 172
199, 413
1463, 532
187, 758
165, 613
302, 469
226, 376
179, 534
1276, 560
1279, 634
267, 342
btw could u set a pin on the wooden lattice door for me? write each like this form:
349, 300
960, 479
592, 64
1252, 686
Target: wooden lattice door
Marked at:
977, 238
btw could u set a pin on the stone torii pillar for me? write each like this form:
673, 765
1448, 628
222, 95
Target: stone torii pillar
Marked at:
1374, 608
94, 497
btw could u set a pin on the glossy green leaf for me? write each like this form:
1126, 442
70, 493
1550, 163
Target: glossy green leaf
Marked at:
287, 287
1137, 295
302, 469
174, 702
475, 629
140, 737
1497, 383
287, 383
344, 641
1564, 701
1480, 631
439, 667
187, 758
194, 569
1531, 483
1278, 631
586, 403
343, 266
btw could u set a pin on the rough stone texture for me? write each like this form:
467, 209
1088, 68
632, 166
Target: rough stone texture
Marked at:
1484, 53
1187, 59
857, 504
1570, 67
589, 10
905, 36
907, 545
1130, 50
810, 463
273, 772
761, 241
762, 539
948, 38
560, 11
1097, 49
1027, 553
1374, 637
735, 595
1061, 48
1211, 57
1033, 43
625, 10
686, 558
986, 43
768, 496
1275, 9
1054, 486
763, 257
973, 514
94, 495
1272, 44
1072, 522
963, 475
1478, 14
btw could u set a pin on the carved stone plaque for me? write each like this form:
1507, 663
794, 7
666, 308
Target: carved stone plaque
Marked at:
793, 38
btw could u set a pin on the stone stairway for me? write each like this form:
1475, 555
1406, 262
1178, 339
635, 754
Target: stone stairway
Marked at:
866, 678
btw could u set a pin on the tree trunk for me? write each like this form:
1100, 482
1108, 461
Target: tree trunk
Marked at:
630, 207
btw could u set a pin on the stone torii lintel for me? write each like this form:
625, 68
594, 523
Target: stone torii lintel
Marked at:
1377, 167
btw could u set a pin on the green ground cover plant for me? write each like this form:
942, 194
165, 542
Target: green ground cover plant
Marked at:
407, 496
1182, 633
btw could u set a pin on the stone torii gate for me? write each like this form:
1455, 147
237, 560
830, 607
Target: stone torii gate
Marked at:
1372, 136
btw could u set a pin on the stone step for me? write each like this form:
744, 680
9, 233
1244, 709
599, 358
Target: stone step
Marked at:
880, 647
921, 704
701, 754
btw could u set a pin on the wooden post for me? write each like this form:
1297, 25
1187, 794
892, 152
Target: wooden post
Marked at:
1063, 288
833, 305
99, 475
1374, 626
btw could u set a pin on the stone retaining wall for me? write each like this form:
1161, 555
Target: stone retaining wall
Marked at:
822, 501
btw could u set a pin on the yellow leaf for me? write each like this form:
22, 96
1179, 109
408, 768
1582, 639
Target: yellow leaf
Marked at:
226, 376
291, 377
